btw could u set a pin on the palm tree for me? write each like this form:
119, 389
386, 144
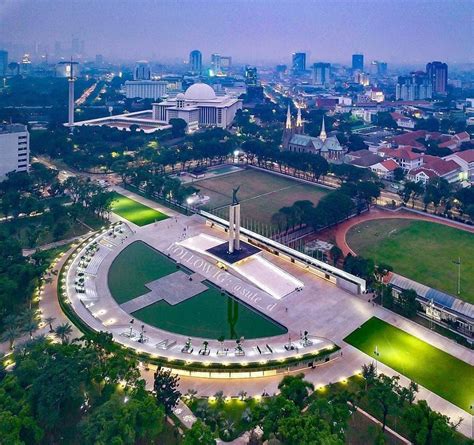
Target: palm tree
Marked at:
29, 326
242, 395
50, 320
191, 394
10, 335
63, 331
227, 427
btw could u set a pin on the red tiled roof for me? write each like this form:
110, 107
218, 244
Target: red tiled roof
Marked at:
430, 173
401, 153
448, 144
439, 165
464, 136
390, 164
467, 155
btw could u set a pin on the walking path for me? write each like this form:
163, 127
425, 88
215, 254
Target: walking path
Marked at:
28, 252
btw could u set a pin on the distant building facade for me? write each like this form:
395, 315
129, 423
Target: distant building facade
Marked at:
321, 73
357, 62
195, 62
416, 86
142, 71
145, 89
438, 74
14, 149
298, 63
3, 63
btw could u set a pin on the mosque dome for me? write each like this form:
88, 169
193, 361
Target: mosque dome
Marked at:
199, 91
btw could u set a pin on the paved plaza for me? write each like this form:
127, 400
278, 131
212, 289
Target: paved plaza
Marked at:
326, 311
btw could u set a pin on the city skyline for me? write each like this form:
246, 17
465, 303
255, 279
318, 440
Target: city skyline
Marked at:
327, 31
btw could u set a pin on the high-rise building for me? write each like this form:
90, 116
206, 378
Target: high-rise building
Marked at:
142, 71
215, 63
226, 63
358, 62
298, 62
3, 62
321, 73
378, 68
195, 61
416, 86
14, 149
251, 77
438, 74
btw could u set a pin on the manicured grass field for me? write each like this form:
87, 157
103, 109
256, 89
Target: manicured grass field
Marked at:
420, 250
135, 266
432, 368
135, 212
208, 314
261, 194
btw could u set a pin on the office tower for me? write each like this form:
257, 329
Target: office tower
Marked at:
358, 62
382, 68
438, 74
3, 62
321, 73
195, 61
416, 86
298, 61
226, 63
142, 71
216, 63
25, 66
14, 149
251, 76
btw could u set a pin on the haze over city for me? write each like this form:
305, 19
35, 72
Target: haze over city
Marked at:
252, 31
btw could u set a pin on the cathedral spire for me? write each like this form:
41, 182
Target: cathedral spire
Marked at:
288, 118
323, 136
299, 121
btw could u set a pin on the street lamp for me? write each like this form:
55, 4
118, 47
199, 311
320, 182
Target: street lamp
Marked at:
458, 263
376, 354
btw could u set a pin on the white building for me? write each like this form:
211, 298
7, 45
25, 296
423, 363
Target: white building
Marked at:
199, 106
146, 89
14, 149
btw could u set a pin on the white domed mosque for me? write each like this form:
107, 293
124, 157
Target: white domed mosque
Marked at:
200, 107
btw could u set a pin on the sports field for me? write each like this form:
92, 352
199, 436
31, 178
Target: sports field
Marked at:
135, 212
420, 250
441, 373
208, 314
261, 194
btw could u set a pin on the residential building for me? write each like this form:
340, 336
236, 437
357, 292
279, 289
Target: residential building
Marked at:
465, 160
199, 106
298, 63
403, 121
363, 158
321, 73
14, 149
403, 156
385, 169
433, 167
438, 75
416, 86
195, 61
357, 62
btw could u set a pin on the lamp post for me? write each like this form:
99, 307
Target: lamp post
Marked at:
376, 354
458, 263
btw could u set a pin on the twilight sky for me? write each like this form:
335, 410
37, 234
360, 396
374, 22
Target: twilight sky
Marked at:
398, 31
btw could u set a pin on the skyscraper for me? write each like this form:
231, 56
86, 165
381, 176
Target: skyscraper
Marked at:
438, 73
251, 78
142, 71
321, 73
416, 86
216, 63
358, 62
3, 62
195, 61
298, 62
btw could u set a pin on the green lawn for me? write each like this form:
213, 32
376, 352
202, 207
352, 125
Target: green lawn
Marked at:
135, 266
209, 315
135, 212
420, 250
261, 193
432, 368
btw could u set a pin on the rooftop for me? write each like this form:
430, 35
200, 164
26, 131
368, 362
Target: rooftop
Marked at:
12, 128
